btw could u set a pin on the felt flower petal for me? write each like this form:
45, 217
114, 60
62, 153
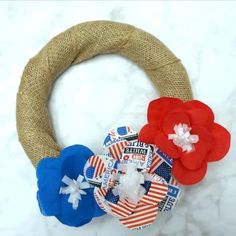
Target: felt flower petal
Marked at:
186, 176
195, 104
75, 158
201, 117
48, 205
82, 215
193, 160
158, 108
172, 119
148, 133
221, 139
49, 182
166, 146
76, 150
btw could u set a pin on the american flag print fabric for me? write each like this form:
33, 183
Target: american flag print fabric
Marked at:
173, 195
98, 166
122, 209
156, 161
160, 190
143, 216
118, 134
116, 149
156, 193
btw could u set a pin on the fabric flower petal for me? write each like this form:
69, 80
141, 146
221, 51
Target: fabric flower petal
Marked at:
167, 146
143, 216
148, 133
82, 215
75, 158
221, 139
186, 176
172, 119
158, 108
194, 159
48, 184
195, 104
201, 117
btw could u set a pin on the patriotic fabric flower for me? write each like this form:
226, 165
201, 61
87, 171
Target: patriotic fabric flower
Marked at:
186, 133
133, 180
62, 189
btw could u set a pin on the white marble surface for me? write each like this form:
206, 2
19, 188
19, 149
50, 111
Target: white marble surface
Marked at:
202, 34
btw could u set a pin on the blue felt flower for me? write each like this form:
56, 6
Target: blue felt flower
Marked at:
62, 189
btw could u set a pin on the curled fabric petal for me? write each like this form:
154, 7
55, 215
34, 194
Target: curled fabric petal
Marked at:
74, 159
158, 108
172, 119
138, 219
50, 172
47, 195
167, 146
195, 104
82, 215
201, 117
221, 140
186, 176
148, 133
193, 160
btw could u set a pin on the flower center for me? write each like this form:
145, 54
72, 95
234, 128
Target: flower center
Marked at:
182, 137
74, 189
129, 186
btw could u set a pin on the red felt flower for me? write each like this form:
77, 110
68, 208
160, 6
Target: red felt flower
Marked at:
187, 133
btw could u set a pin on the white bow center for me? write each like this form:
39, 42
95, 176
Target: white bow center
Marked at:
74, 189
130, 184
182, 137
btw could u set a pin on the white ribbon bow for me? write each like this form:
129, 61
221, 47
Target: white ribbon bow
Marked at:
75, 189
182, 137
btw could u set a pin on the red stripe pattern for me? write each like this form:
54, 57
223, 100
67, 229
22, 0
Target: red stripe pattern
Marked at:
173, 182
122, 209
98, 164
157, 192
156, 161
143, 215
116, 149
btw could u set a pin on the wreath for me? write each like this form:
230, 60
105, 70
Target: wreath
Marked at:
139, 174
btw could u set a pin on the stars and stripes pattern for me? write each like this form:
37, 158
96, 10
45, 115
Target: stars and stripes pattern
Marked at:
99, 202
116, 149
102, 192
122, 209
156, 161
97, 163
155, 194
143, 215
173, 182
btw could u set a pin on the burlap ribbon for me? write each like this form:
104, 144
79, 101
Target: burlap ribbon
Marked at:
73, 46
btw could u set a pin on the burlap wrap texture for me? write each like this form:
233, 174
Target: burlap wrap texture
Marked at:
73, 46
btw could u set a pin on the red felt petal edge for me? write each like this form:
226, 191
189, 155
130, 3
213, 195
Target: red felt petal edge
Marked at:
188, 177
195, 104
201, 117
172, 119
148, 133
221, 138
166, 146
194, 159
158, 108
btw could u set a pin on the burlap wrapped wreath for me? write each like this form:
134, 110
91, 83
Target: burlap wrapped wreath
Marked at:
143, 169
78, 44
